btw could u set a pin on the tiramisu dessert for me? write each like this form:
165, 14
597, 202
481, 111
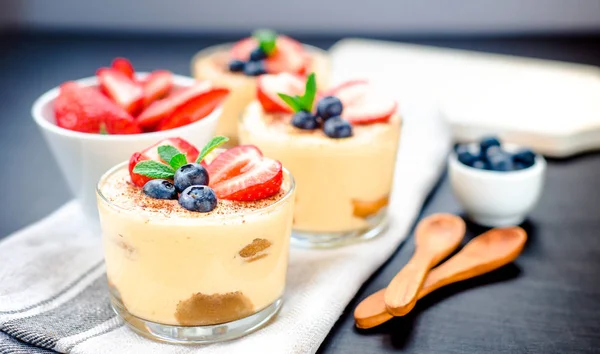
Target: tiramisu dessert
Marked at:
237, 66
340, 145
196, 243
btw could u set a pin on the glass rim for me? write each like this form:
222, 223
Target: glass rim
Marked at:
206, 51
267, 208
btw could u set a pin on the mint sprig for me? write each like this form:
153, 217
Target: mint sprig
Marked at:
267, 40
210, 146
166, 152
306, 101
154, 169
178, 161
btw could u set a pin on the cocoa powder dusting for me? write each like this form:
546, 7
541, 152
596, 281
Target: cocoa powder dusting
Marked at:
201, 309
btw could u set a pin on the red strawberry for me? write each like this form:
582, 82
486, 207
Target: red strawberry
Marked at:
259, 178
85, 109
194, 109
161, 109
121, 89
288, 57
270, 85
157, 85
151, 153
124, 66
362, 105
231, 162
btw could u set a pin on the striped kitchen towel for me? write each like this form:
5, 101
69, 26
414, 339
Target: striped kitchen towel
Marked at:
54, 296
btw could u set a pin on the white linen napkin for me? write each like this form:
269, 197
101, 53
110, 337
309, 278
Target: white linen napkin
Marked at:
53, 291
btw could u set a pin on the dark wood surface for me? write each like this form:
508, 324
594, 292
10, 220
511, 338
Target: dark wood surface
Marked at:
548, 301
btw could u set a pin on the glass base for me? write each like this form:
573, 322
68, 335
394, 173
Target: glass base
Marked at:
378, 223
196, 334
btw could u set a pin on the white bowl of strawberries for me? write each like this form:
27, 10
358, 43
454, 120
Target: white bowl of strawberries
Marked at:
94, 123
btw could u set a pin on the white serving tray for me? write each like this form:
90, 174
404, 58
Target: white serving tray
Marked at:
552, 106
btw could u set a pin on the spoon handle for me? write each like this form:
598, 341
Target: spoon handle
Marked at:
401, 293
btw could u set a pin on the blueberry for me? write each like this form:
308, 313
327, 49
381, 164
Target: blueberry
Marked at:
254, 68
524, 157
328, 107
337, 128
236, 65
160, 189
491, 152
192, 174
257, 54
198, 198
488, 142
480, 165
500, 162
305, 120
466, 158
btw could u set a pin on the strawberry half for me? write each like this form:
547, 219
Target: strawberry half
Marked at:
362, 105
231, 162
85, 109
288, 57
243, 174
157, 85
121, 89
161, 109
124, 66
269, 85
151, 153
195, 109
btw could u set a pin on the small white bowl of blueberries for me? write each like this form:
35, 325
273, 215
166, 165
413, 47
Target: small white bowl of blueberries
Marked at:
497, 184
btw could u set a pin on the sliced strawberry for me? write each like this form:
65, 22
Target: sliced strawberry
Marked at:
157, 85
362, 105
194, 109
161, 109
289, 55
151, 153
124, 66
121, 89
231, 162
85, 109
270, 85
257, 180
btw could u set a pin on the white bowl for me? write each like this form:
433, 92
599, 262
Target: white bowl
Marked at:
83, 157
493, 198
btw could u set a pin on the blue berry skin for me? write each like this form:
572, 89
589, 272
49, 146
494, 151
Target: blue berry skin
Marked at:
305, 120
328, 107
491, 152
160, 189
192, 174
500, 162
337, 128
488, 142
524, 157
236, 66
198, 198
480, 165
254, 68
466, 158
257, 54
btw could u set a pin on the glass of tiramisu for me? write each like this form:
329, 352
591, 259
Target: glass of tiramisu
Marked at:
196, 243
341, 146
237, 66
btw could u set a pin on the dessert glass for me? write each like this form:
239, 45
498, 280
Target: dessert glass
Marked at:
84, 157
186, 277
211, 64
343, 185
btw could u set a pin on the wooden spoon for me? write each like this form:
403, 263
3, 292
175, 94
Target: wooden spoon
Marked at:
436, 237
483, 254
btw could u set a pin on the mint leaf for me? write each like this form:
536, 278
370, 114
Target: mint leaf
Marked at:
210, 146
267, 40
310, 92
178, 161
294, 102
166, 153
103, 129
154, 169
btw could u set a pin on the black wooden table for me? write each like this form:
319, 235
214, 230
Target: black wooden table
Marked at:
548, 301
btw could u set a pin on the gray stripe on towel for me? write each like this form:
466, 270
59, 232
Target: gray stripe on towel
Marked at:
85, 311
10, 345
